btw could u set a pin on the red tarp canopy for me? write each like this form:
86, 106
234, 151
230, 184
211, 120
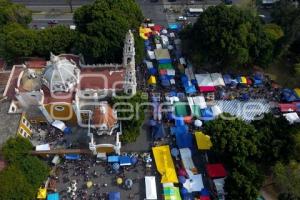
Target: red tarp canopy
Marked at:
287, 107
204, 198
157, 28
216, 170
206, 88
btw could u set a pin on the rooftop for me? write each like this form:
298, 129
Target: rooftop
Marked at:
102, 78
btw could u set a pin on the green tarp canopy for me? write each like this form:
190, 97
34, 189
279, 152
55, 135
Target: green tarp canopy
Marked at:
172, 193
165, 66
181, 109
196, 111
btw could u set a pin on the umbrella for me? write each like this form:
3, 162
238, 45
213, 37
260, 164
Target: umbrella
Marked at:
89, 184
182, 179
174, 152
128, 183
116, 166
198, 123
119, 181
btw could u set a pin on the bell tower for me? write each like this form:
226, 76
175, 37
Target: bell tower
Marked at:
129, 64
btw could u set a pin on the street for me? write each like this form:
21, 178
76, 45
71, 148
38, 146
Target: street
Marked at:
161, 12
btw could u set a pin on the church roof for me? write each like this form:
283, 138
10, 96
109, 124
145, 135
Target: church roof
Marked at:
102, 78
104, 114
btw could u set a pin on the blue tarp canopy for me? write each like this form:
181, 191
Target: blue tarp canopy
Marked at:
179, 129
165, 82
164, 61
114, 196
179, 121
53, 196
289, 95
147, 42
111, 159
72, 156
158, 131
227, 79
190, 89
124, 160
152, 71
184, 140
184, 79
206, 114
174, 26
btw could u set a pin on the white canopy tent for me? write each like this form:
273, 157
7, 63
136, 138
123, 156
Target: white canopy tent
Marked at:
59, 125
194, 183
217, 79
151, 55
150, 184
216, 110
292, 117
200, 101
187, 161
204, 80
42, 147
219, 183
149, 64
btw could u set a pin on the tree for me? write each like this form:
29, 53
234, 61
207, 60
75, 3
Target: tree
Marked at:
287, 178
17, 41
14, 149
14, 186
102, 27
230, 36
57, 39
13, 13
131, 112
234, 140
276, 139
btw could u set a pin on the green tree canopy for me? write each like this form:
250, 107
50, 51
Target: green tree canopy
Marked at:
14, 149
57, 39
287, 178
17, 41
131, 112
234, 140
276, 139
14, 186
229, 35
102, 27
13, 13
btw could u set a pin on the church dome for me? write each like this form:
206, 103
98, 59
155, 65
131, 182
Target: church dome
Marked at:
60, 74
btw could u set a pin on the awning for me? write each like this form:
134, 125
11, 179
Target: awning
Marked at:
164, 164
292, 117
194, 183
203, 141
150, 183
287, 107
217, 79
59, 125
297, 92
216, 170
171, 193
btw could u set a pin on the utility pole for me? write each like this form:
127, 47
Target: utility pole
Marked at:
70, 2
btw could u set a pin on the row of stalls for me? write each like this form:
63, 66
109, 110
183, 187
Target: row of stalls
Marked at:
290, 105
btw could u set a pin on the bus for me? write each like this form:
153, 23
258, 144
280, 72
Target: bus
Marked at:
194, 12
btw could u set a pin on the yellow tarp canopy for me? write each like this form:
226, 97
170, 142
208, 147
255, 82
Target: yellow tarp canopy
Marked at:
243, 79
164, 164
297, 91
203, 141
144, 31
42, 193
152, 80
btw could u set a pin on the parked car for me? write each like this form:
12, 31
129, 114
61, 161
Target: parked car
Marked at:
181, 18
